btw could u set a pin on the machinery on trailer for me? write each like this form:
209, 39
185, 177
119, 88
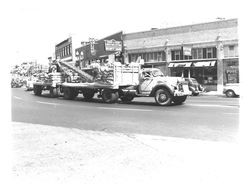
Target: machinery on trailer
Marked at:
113, 82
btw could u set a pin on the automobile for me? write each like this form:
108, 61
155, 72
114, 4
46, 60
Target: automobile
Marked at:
231, 89
194, 86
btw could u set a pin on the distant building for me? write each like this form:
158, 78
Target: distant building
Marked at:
100, 49
206, 51
65, 50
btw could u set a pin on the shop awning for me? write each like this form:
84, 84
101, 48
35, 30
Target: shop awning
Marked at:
205, 64
171, 65
183, 64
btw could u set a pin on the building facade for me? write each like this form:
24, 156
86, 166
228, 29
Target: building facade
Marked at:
65, 50
207, 51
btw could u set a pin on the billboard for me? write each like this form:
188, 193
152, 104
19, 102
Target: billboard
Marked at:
113, 45
187, 51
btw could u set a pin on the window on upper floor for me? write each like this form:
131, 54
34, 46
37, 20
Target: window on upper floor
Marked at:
231, 51
197, 53
159, 56
209, 53
176, 55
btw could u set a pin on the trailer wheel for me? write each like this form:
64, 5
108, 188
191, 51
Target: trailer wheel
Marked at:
75, 93
37, 90
179, 100
69, 93
163, 97
127, 98
54, 92
109, 96
88, 94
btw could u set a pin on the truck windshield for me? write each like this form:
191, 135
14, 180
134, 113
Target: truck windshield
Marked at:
157, 73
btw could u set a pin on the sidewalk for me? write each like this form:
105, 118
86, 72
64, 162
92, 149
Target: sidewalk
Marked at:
46, 154
212, 93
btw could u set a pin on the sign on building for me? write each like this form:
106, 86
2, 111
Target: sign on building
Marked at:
92, 46
187, 51
113, 45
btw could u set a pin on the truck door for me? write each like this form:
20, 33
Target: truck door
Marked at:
146, 81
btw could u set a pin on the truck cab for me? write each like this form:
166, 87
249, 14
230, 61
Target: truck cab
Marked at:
165, 89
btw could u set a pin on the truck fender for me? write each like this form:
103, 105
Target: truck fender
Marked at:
160, 86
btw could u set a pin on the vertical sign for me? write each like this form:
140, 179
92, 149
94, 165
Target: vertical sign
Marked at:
92, 46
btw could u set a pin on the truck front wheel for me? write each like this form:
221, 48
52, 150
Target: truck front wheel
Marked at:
109, 96
163, 97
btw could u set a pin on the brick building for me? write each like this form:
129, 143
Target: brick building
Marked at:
206, 51
65, 50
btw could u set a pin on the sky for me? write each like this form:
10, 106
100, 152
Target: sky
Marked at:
35, 27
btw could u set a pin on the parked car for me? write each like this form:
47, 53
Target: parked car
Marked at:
194, 86
232, 89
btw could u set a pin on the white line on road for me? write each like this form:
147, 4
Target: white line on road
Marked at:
236, 113
142, 110
17, 97
48, 103
212, 105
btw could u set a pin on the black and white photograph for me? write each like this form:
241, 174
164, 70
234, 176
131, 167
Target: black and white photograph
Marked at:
125, 98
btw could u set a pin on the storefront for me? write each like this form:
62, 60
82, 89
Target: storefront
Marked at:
205, 72
231, 70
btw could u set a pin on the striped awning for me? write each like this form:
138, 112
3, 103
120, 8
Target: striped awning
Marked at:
180, 64
171, 65
205, 64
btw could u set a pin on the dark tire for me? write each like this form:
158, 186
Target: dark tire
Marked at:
54, 92
195, 93
230, 93
179, 100
88, 94
69, 93
127, 98
109, 96
163, 97
37, 90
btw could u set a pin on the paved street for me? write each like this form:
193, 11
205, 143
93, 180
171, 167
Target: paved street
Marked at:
214, 118
189, 146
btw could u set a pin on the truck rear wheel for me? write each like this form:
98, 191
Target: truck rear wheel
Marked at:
179, 100
127, 98
69, 93
109, 96
88, 94
163, 97
37, 90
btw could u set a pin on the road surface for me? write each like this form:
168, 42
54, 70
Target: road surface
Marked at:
214, 118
